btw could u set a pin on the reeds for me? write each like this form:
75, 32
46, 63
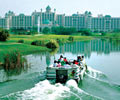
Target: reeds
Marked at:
14, 60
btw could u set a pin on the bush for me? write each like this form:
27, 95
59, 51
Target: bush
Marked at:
52, 44
71, 38
59, 41
14, 60
103, 33
4, 34
46, 30
86, 32
20, 41
38, 43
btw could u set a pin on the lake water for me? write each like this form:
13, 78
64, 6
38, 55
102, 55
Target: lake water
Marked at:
101, 83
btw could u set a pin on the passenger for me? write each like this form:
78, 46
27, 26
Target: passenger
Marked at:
61, 58
59, 64
55, 63
83, 59
77, 70
75, 62
63, 63
78, 58
73, 65
65, 59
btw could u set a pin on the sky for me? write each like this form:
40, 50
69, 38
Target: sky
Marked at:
67, 7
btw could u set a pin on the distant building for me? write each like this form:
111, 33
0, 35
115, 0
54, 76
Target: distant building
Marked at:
21, 22
60, 19
50, 19
2, 22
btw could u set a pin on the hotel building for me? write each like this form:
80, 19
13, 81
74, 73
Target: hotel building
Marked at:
49, 19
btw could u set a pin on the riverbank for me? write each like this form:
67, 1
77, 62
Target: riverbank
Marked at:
29, 38
113, 36
26, 48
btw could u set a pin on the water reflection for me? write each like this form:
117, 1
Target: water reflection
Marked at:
39, 61
36, 63
86, 48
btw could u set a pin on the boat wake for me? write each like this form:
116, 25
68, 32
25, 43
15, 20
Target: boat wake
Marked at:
78, 92
44, 90
98, 75
47, 90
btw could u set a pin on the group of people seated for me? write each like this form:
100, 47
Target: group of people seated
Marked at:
63, 62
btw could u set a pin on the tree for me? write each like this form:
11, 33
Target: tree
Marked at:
4, 34
63, 30
54, 30
46, 30
86, 32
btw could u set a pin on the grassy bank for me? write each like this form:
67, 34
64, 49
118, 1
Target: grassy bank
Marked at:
23, 48
26, 48
113, 36
30, 38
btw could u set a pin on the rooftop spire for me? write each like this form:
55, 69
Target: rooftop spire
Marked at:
48, 9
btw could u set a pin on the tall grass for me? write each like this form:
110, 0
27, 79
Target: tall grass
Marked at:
14, 60
14, 64
24, 49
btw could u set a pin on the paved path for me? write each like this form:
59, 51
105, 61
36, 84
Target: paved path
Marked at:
38, 34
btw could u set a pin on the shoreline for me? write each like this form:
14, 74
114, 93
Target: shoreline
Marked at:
26, 48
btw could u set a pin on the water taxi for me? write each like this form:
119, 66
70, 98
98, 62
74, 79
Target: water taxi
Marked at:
64, 73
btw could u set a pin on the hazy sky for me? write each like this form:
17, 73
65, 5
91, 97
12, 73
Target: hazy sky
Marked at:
68, 7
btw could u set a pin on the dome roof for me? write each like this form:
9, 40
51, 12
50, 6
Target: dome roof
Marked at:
74, 14
86, 12
90, 13
107, 16
21, 14
48, 8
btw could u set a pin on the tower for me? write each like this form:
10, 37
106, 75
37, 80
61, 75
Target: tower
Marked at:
48, 9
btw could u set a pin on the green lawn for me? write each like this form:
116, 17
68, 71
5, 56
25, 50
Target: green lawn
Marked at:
26, 48
29, 38
113, 36
23, 48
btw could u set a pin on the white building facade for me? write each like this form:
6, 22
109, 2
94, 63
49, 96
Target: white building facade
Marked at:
49, 18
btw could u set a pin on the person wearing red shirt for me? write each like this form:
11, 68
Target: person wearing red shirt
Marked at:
65, 60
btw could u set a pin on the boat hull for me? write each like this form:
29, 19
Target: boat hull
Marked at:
63, 74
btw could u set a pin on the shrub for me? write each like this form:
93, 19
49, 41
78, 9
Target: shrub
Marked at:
20, 41
46, 30
14, 60
4, 34
59, 41
86, 32
38, 43
103, 33
52, 44
71, 38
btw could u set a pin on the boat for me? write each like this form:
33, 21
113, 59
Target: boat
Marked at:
64, 73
